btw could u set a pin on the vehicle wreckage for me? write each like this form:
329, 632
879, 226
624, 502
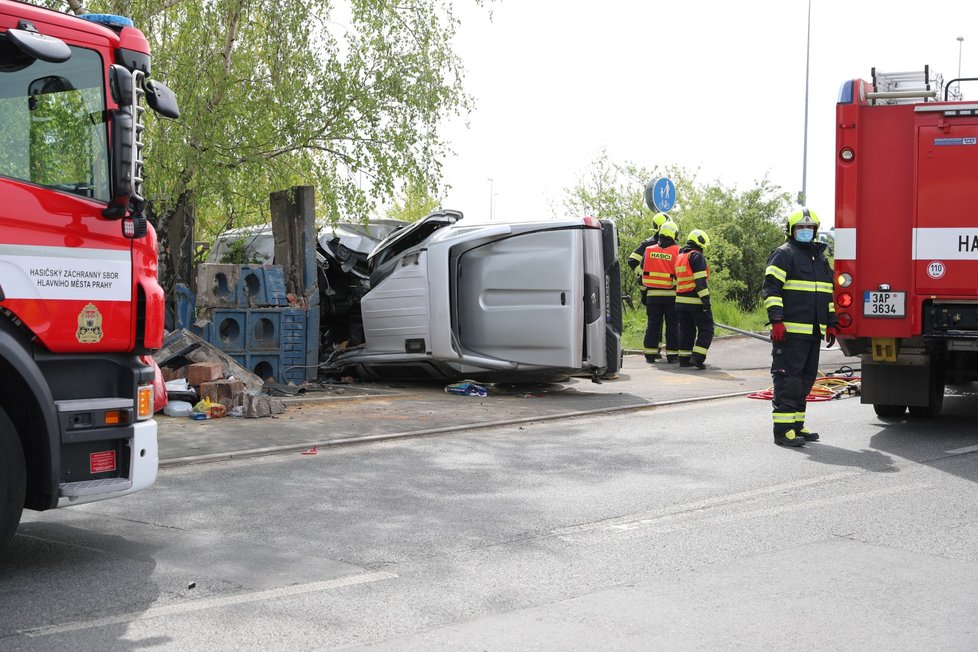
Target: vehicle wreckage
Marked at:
439, 299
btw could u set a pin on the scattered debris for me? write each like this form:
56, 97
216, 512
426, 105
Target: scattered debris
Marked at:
467, 388
310, 451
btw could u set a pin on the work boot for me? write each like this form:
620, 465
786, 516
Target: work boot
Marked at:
699, 363
808, 435
789, 439
672, 359
652, 357
684, 362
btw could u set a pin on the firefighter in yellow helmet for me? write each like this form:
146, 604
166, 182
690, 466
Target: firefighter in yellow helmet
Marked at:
659, 280
798, 296
636, 261
693, 308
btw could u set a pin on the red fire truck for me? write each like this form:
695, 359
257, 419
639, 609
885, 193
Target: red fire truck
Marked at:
79, 298
906, 238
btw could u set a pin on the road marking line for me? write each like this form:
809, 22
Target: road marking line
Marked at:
700, 505
210, 603
667, 522
961, 451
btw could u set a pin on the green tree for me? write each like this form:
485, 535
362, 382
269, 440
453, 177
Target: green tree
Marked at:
348, 97
744, 226
417, 202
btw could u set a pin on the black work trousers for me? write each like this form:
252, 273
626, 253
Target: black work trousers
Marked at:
695, 333
794, 366
659, 314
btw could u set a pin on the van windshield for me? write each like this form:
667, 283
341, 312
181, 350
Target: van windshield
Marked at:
52, 124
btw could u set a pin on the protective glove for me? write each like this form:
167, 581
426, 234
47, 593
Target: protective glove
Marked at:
830, 334
778, 332
707, 307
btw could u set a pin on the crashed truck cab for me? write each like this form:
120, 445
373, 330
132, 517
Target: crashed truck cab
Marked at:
492, 302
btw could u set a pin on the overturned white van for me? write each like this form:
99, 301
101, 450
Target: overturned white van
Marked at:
491, 302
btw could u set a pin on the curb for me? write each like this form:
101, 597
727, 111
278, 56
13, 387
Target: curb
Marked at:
210, 458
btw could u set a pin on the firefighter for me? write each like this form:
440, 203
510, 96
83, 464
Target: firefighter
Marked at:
798, 297
636, 262
693, 309
659, 281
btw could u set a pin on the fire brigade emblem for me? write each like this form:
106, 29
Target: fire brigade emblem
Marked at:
89, 325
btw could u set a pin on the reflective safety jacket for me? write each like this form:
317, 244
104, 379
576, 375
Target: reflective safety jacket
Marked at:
638, 256
798, 288
692, 274
659, 270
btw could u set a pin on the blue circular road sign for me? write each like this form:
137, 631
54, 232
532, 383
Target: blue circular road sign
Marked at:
660, 194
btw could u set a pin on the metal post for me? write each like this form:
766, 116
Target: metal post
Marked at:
490, 199
960, 43
803, 195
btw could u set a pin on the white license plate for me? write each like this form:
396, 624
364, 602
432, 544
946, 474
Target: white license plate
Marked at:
884, 304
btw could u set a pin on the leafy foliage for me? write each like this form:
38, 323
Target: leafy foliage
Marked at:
345, 96
744, 226
416, 203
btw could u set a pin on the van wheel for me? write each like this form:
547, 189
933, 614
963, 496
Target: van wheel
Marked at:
889, 411
13, 479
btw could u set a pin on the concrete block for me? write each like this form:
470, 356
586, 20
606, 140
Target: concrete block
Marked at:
202, 372
173, 374
251, 286
257, 404
229, 329
225, 392
264, 329
265, 366
217, 285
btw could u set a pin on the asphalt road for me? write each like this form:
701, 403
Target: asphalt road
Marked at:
671, 527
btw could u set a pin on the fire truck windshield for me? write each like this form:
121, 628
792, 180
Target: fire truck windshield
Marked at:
52, 127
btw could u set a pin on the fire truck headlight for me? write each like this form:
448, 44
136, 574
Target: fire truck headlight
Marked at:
845, 320
844, 280
846, 154
844, 300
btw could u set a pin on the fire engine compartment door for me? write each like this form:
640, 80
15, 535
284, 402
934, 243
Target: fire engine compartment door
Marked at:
945, 240
520, 298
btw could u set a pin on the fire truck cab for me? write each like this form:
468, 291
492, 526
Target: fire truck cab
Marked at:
79, 298
906, 237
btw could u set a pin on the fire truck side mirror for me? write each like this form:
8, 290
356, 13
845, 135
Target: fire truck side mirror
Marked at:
123, 145
38, 46
161, 99
121, 85
122, 128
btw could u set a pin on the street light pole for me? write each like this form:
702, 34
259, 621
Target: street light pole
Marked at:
491, 194
960, 43
803, 195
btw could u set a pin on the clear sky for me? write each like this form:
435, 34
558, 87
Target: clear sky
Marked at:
717, 87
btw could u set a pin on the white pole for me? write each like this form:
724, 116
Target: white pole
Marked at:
490, 199
960, 43
803, 197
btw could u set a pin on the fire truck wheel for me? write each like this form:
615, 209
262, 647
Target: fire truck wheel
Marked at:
13, 479
889, 411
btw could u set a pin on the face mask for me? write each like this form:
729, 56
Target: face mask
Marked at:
805, 235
